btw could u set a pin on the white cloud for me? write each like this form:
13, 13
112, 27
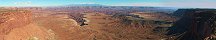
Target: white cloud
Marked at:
88, 3
23, 3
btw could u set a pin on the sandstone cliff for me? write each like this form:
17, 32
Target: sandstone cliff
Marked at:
195, 24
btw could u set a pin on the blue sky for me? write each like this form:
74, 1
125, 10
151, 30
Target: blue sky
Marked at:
159, 3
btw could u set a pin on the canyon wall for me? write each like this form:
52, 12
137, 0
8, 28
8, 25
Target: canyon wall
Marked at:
195, 24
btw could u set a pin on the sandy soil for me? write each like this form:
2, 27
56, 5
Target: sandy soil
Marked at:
58, 26
106, 28
61, 25
28, 32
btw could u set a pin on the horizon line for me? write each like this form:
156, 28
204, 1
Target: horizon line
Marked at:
111, 5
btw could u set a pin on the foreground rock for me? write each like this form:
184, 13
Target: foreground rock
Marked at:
195, 24
12, 19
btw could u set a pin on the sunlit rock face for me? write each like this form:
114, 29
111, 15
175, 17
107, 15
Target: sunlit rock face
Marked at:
195, 24
12, 19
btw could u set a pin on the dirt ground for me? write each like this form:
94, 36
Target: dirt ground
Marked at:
54, 26
108, 28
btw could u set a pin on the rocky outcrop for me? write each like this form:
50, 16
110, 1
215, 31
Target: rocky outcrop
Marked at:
12, 19
182, 12
195, 24
133, 20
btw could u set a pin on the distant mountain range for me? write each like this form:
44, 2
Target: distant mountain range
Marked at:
126, 9
85, 5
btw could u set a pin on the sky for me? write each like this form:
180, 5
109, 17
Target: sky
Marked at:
157, 3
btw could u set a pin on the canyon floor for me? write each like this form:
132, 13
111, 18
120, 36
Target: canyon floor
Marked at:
106, 23
51, 25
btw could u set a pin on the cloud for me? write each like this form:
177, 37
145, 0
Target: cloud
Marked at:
23, 3
85, 3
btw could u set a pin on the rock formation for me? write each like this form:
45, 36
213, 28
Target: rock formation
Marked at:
12, 19
195, 24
